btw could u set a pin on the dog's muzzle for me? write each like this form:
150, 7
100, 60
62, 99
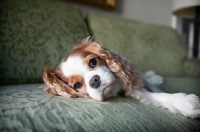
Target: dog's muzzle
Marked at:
95, 81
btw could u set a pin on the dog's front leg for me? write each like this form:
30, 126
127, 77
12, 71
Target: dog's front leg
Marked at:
187, 105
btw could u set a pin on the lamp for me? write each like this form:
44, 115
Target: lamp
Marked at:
189, 9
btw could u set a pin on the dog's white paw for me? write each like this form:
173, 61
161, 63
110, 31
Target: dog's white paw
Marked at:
187, 105
178, 103
155, 80
152, 78
148, 74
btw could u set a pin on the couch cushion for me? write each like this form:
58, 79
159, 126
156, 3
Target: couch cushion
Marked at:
148, 46
192, 67
28, 108
185, 85
36, 33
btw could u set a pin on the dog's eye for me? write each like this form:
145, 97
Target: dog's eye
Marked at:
93, 63
77, 85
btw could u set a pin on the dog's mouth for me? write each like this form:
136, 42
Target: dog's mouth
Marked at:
102, 92
106, 91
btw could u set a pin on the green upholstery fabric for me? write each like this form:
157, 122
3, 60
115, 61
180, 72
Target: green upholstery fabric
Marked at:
36, 33
28, 108
186, 85
192, 67
148, 46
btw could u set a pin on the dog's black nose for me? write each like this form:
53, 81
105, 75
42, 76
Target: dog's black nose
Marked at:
95, 81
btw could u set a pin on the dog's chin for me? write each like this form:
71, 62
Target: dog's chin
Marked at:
104, 91
97, 93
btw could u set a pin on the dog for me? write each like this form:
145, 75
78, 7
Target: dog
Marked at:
92, 71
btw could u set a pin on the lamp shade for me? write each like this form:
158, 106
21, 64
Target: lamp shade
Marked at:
185, 8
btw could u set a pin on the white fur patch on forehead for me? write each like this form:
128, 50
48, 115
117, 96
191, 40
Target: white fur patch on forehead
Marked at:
73, 65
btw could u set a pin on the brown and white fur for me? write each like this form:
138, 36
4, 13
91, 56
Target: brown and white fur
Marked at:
92, 71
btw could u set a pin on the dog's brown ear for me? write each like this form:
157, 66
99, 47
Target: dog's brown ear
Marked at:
121, 67
49, 90
54, 86
126, 74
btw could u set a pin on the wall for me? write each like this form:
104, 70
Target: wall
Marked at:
152, 11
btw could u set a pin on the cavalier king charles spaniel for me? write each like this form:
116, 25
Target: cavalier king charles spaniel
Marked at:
92, 71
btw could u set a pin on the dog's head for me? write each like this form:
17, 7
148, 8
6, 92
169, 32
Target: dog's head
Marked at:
91, 70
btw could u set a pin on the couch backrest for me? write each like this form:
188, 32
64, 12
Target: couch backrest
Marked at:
35, 33
148, 46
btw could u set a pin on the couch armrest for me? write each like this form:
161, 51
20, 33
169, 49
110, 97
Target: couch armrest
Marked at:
192, 67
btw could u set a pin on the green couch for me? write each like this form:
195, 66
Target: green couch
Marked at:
41, 32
